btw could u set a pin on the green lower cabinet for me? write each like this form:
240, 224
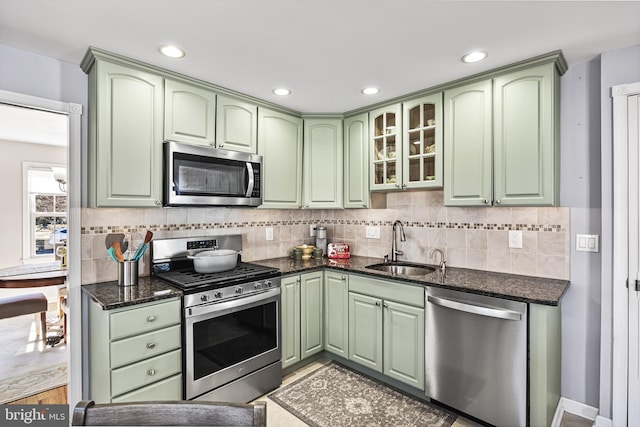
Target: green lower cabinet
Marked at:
301, 314
404, 343
365, 330
290, 315
388, 337
336, 313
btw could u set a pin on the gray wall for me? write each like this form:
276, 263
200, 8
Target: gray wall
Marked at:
617, 67
580, 190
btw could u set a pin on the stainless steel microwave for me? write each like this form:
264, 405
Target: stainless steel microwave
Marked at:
202, 176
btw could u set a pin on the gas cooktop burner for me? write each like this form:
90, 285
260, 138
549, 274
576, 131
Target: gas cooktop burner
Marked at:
186, 278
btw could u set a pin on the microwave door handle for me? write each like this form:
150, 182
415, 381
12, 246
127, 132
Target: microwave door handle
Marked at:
251, 180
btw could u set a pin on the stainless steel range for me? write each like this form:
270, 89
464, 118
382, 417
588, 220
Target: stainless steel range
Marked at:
231, 322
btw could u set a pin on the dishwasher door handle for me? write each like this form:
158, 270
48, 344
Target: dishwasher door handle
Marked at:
475, 309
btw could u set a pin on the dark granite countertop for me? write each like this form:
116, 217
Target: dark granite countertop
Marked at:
110, 295
535, 290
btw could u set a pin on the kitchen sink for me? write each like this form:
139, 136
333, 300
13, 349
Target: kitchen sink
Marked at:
402, 269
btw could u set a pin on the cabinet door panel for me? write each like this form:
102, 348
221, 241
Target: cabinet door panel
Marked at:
336, 313
467, 145
356, 161
322, 163
311, 314
290, 323
385, 133
365, 330
280, 144
128, 140
404, 343
524, 139
189, 113
237, 125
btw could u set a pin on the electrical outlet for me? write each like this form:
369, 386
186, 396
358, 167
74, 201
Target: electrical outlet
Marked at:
515, 239
269, 233
587, 242
312, 230
372, 232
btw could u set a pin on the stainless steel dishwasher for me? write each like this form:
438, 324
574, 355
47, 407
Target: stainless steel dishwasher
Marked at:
476, 355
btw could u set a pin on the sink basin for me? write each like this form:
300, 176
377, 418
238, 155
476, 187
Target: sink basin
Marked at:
403, 269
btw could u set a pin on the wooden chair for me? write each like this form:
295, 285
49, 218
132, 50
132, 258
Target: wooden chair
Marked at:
27, 304
169, 413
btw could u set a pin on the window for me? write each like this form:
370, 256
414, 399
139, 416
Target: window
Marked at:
46, 204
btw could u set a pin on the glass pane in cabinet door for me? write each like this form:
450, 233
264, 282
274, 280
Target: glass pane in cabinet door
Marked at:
429, 115
429, 141
391, 147
414, 117
429, 169
391, 124
378, 125
414, 170
379, 147
379, 173
391, 172
414, 142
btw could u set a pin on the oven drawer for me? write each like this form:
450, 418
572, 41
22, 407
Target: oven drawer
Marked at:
129, 350
167, 389
144, 319
146, 372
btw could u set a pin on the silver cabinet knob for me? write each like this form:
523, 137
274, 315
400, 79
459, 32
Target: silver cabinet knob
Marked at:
151, 345
151, 318
158, 203
498, 201
151, 372
485, 201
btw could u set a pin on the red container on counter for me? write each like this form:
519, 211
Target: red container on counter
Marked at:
338, 251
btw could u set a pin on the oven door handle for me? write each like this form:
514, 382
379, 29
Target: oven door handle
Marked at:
236, 304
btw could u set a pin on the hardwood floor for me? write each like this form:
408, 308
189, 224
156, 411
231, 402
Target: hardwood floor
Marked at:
56, 396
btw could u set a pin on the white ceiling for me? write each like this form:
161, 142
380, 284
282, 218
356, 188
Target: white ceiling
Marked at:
324, 51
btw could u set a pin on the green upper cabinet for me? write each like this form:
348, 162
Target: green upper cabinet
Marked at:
125, 136
236, 125
280, 145
189, 113
502, 141
356, 161
386, 147
526, 145
322, 167
422, 142
468, 145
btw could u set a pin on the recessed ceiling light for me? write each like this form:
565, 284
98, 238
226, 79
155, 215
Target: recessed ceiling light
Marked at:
475, 56
172, 51
281, 92
370, 90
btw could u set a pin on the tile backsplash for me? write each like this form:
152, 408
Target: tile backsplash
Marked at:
474, 238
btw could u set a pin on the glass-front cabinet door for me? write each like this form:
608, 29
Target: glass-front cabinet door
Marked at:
422, 160
386, 146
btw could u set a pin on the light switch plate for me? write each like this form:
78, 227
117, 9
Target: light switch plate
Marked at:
587, 242
372, 232
269, 233
515, 239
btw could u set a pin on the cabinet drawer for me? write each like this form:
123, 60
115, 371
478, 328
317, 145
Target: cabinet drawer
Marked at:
144, 346
169, 389
144, 319
408, 294
146, 372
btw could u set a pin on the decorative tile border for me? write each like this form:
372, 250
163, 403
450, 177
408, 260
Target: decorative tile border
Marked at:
549, 228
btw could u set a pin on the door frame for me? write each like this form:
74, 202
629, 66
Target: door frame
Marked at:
74, 200
625, 331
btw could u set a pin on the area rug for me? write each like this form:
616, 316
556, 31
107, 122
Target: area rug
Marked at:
335, 396
32, 382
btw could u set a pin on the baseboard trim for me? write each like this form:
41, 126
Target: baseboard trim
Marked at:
576, 408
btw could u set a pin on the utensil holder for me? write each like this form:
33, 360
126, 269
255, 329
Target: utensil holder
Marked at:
128, 273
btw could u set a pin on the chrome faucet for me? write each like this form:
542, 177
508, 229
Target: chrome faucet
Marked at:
394, 251
443, 263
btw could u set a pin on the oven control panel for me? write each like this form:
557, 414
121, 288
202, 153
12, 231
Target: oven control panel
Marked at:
230, 292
